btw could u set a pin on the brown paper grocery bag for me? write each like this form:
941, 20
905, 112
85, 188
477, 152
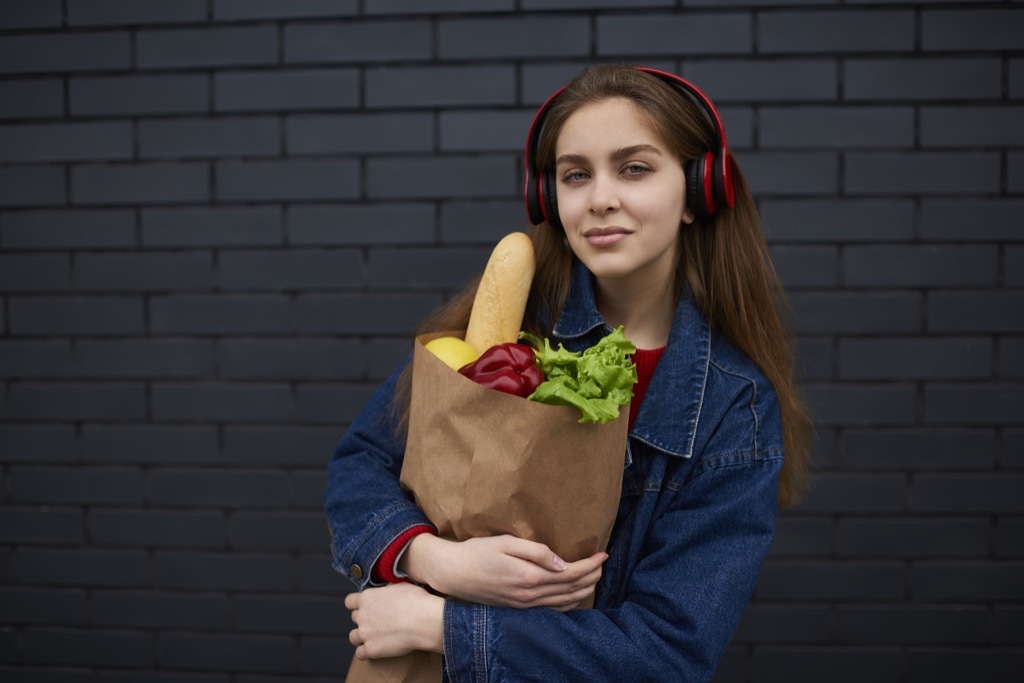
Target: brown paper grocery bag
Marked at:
479, 462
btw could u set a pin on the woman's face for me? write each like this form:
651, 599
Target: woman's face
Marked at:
621, 194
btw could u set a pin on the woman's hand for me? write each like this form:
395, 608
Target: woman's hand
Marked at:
504, 571
394, 620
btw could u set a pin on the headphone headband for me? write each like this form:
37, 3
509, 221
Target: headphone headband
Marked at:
709, 177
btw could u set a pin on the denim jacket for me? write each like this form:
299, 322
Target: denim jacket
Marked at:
695, 521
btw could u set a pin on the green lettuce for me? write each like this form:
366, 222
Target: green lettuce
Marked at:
598, 381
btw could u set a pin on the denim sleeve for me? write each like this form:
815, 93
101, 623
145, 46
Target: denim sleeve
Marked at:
679, 607
366, 507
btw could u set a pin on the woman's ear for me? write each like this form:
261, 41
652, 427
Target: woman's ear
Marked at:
688, 216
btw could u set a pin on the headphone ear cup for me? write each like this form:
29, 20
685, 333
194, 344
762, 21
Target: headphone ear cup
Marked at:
695, 187
550, 194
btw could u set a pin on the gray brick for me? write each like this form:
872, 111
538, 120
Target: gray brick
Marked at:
156, 528
37, 98
83, 567
110, 12
790, 173
974, 404
1011, 357
858, 313
75, 315
34, 273
31, 186
425, 268
228, 652
132, 358
783, 623
221, 402
862, 404
918, 358
277, 531
291, 359
505, 37
38, 53
281, 9
290, 270
286, 90
149, 444
89, 648
480, 222
211, 226
141, 272
540, 81
958, 449
63, 485
855, 493
440, 86
357, 41
199, 138
912, 625
138, 95
484, 130
37, 443
207, 47
435, 6
674, 34
22, 605
355, 224
968, 219
442, 176
993, 666
992, 311
785, 80
804, 267
971, 126
360, 133
739, 122
967, 581
274, 614
180, 487
331, 404
82, 229
66, 142
280, 446
159, 610
981, 30
35, 359
831, 581
220, 315
844, 127
30, 14
829, 31
221, 571
926, 173
836, 664
41, 526
917, 79
908, 538
365, 314
287, 180
140, 184
925, 266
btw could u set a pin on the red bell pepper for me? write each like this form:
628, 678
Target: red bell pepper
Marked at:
511, 368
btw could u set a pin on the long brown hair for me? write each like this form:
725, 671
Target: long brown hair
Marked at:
723, 261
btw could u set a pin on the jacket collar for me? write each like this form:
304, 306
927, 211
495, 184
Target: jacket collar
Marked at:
669, 417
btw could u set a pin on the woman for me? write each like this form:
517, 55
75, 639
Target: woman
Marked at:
644, 221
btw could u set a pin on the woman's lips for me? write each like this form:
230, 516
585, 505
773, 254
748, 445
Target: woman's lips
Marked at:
605, 237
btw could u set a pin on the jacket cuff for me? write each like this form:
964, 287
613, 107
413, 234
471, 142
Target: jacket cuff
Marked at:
386, 568
357, 559
465, 641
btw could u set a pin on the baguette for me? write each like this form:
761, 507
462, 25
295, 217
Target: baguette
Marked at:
500, 302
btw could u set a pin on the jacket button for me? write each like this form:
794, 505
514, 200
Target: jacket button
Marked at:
357, 571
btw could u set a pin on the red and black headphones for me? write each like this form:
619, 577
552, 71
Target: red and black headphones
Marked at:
709, 183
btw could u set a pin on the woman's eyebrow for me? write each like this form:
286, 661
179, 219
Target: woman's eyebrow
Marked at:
617, 155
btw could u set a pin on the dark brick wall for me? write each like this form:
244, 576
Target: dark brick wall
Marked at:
220, 220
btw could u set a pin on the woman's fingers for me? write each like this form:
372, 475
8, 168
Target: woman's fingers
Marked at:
538, 553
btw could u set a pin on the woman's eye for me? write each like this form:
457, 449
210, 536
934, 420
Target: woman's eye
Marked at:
636, 169
574, 176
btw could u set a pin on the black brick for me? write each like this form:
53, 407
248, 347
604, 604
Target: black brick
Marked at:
360, 133
357, 41
179, 487
107, 486
784, 623
984, 404
315, 575
37, 98
35, 359
369, 314
138, 95
992, 666
498, 130
212, 226
80, 647
228, 652
83, 567
42, 525
424, 269
31, 14
904, 358
67, 607
805, 267
442, 176
891, 538
287, 180
855, 493
480, 222
286, 90
65, 52
291, 359
832, 581
913, 79
158, 272
64, 401
221, 571
440, 86
434, 6
836, 664
159, 610
82, 229
352, 224
981, 311
925, 173
860, 404
968, 493
844, 127
273, 9
144, 358
967, 581
531, 37
156, 529
982, 30
290, 270
655, 34
924, 449
802, 537
140, 184
34, 272
791, 173
1010, 537
330, 404
971, 219
280, 446
206, 47
37, 443
220, 314
31, 186
308, 489
835, 31
228, 402
201, 138
146, 444
89, 12
804, 80
276, 531
292, 615
857, 313
912, 625
971, 126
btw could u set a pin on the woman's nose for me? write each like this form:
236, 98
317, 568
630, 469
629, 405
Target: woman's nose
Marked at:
603, 195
